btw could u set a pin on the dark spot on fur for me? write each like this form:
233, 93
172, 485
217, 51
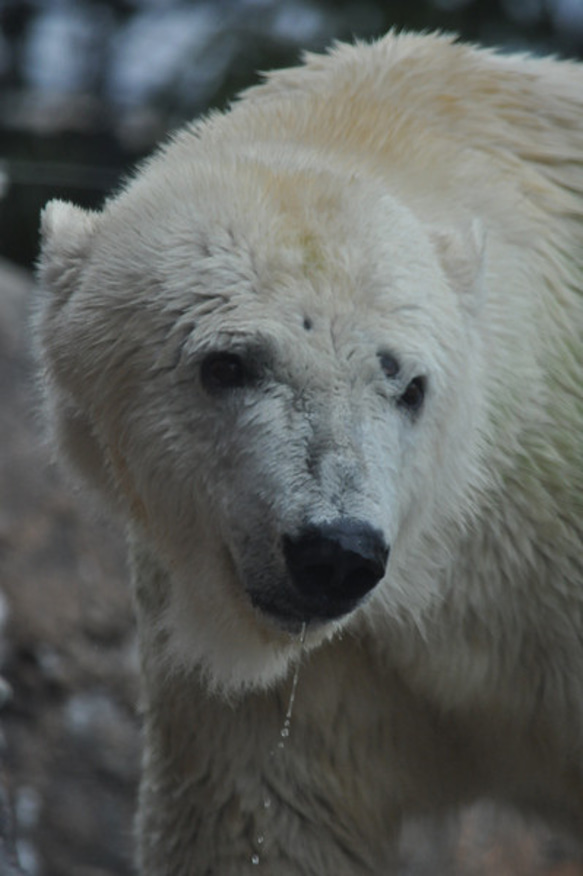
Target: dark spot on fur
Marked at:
313, 464
308, 323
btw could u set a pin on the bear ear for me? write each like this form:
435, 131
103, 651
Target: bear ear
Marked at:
462, 256
66, 233
66, 238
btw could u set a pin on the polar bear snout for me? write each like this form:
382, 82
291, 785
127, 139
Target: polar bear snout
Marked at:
334, 565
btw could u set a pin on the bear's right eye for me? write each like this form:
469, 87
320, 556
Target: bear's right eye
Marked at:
223, 371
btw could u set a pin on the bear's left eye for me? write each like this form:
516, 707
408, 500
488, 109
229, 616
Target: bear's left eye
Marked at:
222, 371
414, 395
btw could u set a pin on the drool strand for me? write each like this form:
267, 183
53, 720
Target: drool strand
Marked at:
284, 734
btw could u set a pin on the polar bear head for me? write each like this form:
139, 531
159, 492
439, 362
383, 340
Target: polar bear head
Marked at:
270, 370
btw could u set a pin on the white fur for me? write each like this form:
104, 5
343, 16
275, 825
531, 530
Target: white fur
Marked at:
413, 196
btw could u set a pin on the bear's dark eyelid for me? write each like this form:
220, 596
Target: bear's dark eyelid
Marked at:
413, 397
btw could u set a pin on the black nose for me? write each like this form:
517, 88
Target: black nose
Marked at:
332, 566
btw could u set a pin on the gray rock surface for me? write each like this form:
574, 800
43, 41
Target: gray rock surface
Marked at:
69, 740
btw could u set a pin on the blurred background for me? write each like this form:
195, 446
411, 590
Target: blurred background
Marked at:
87, 88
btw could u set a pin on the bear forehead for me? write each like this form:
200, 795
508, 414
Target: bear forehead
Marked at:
265, 234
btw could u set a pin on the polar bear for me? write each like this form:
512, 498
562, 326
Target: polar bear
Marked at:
323, 355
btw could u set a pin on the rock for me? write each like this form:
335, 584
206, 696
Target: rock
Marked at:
68, 685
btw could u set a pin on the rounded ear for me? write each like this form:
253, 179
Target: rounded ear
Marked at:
66, 233
462, 255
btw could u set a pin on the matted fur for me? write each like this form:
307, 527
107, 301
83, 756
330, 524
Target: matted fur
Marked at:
417, 197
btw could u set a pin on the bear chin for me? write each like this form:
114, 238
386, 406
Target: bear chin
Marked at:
238, 647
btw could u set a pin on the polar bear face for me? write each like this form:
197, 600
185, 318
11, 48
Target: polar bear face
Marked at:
272, 375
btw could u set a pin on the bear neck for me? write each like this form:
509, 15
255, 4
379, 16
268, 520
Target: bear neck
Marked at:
209, 766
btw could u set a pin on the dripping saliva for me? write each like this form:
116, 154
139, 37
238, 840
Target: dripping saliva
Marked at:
284, 734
